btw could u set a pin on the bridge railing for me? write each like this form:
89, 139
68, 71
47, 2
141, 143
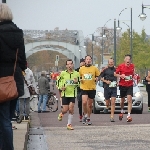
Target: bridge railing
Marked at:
68, 36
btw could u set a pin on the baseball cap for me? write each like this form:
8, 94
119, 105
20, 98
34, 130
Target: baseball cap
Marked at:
82, 60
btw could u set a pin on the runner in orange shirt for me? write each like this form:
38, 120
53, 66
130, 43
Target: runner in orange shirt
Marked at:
53, 78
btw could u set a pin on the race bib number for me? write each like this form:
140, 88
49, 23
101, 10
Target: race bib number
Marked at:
69, 82
128, 78
113, 84
87, 76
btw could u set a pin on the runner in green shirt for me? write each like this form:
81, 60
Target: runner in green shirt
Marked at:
68, 82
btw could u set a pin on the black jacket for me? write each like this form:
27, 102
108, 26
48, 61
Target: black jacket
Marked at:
11, 38
78, 88
146, 83
108, 74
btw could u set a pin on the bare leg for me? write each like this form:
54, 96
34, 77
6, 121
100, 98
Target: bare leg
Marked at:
122, 103
84, 103
112, 106
129, 98
89, 109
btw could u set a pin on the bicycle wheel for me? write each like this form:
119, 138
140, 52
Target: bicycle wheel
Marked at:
52, 103
33, 103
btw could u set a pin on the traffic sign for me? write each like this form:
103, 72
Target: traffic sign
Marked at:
57, 57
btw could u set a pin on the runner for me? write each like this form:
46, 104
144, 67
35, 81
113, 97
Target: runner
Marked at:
110, 87
79, 94
125, 72
89, 75
53, 78
68, 82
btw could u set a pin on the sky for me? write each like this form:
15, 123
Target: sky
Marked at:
85, 15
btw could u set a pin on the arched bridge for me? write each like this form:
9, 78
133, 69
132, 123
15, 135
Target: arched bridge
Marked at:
68, 42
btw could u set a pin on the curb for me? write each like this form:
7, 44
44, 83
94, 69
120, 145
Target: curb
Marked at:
26, 137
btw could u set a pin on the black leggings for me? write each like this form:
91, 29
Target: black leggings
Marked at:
148, 92
80, 107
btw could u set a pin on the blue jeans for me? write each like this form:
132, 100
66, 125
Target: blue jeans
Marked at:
42, 99
7, 112
17, 107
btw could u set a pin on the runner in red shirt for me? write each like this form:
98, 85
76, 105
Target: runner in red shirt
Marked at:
125, 72
54, 78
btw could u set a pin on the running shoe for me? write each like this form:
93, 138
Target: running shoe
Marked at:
120, 116
69, 127
60, 117
88, 122
84, 120
112, 119
20, 119
129, 119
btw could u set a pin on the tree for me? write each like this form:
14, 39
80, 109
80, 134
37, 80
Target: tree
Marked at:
141, 49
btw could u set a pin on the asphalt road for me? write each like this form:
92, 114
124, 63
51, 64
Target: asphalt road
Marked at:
50, 119
101, 135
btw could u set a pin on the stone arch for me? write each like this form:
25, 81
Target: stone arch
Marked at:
70, 50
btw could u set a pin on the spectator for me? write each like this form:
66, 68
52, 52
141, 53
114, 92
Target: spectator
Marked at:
11, 39
43, 91
146, 81
24, 101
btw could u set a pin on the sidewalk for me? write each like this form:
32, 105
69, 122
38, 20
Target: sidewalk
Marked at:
20, 135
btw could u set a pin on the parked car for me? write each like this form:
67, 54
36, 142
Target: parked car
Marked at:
99, 102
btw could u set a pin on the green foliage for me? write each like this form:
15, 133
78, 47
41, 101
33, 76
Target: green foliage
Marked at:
141, 49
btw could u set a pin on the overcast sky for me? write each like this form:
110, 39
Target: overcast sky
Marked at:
85, 15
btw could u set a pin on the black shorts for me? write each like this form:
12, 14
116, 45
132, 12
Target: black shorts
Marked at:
124, 91
68, 100
91, 93
110, 92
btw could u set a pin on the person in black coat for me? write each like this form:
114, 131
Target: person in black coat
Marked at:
79, 94
146, 81
11, 39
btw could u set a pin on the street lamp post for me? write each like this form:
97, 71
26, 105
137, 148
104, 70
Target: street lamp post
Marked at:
118, 28
143, 15
80, 53
115, 42
80, 50
131, 50
103, 34
103, 38
92, 47
101, 59
103, 44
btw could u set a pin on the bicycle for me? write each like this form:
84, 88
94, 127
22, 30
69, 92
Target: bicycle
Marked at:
34, 102
52, 102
